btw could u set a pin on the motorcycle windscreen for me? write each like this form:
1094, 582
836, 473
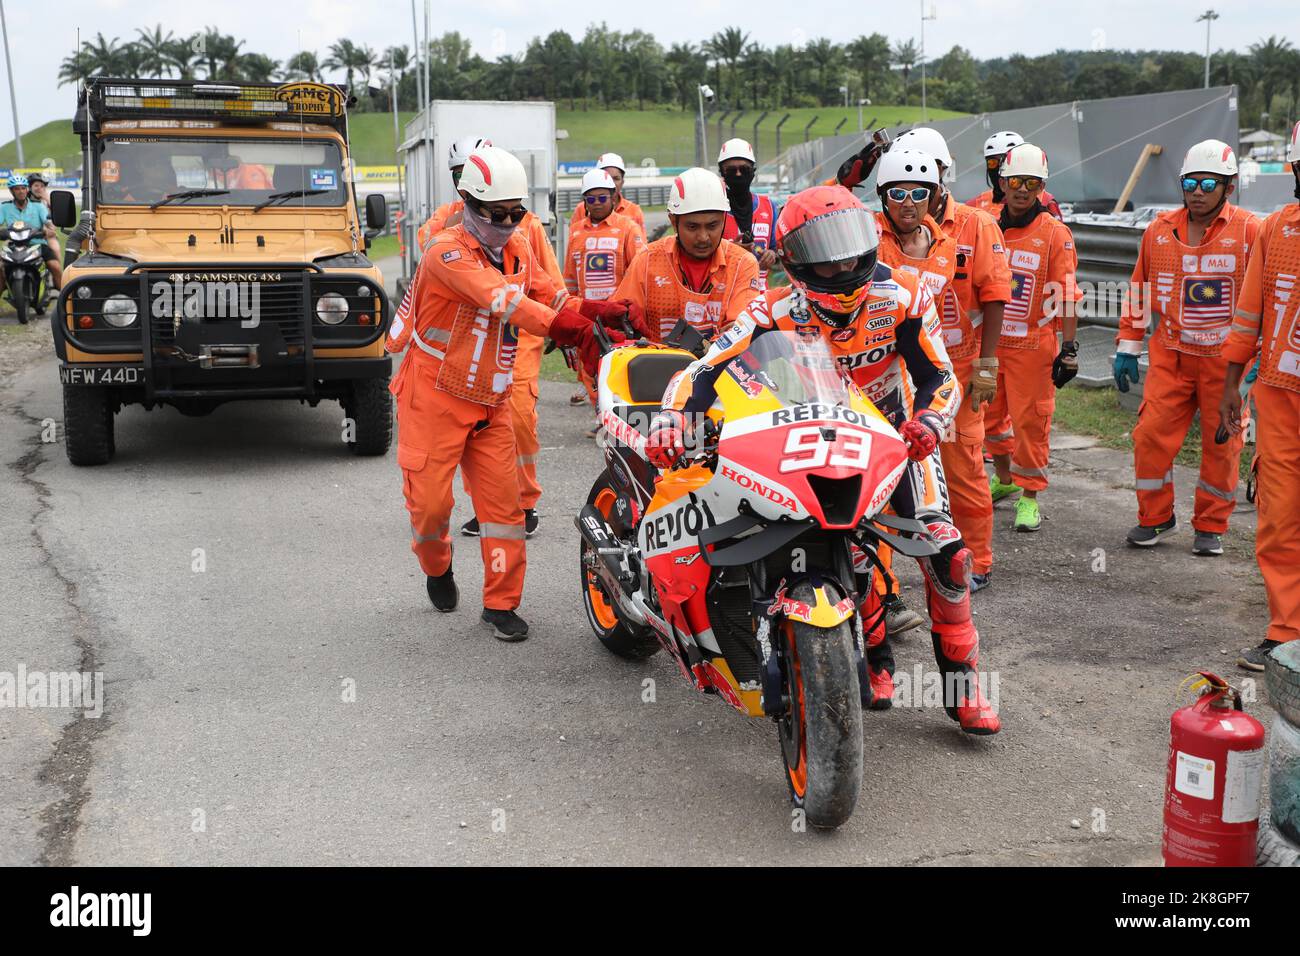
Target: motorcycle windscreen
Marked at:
800, 440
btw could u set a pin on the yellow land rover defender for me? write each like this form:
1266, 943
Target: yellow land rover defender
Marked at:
219, 255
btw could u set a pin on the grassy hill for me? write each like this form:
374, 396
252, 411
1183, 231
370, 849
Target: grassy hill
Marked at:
667, 136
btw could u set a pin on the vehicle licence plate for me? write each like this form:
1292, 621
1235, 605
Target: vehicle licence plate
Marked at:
102, 375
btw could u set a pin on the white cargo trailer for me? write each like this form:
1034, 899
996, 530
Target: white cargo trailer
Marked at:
526, 128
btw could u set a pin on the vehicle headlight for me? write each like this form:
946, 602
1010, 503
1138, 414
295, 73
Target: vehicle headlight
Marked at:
331, 308
120, 311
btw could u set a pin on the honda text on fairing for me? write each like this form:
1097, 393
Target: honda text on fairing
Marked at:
738, 560
24, 281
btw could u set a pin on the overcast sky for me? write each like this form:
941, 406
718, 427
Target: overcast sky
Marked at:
42, 34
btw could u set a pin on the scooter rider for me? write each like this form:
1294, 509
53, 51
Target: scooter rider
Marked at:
40, 191
827, 241
23, 209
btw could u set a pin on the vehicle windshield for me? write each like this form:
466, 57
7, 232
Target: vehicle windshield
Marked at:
796, 369
238, 172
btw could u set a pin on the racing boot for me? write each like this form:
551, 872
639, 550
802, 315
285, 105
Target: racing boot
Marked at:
879, 657
956, 642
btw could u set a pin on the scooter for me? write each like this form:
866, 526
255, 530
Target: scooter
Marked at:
738, 561
24, 275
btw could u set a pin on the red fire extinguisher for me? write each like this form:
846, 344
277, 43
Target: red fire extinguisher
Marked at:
1212, 789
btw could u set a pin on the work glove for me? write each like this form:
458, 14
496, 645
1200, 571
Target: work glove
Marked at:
858, 167
984, 383
1126, 370
1066, 365
568, 326
921, 435
613, 312
665, 441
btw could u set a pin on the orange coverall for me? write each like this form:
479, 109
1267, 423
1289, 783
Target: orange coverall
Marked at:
1191, 292
656, 283
453, 394
1018, 422
626, 208
1268, 323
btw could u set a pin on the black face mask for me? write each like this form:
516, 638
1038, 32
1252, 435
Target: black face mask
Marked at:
738, 180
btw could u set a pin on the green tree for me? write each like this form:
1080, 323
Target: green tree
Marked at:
155, 52
869, 56
302, 66
904, 57
728, 46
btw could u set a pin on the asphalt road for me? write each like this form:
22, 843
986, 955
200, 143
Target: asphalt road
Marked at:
228, 735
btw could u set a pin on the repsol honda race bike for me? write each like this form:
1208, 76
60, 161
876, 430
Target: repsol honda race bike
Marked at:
24, 276
738, 561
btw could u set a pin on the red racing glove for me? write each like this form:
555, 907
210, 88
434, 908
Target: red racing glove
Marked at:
857, 168
612, 313
664, 443
568, 326
921, 434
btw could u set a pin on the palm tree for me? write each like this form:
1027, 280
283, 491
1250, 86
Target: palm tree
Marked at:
155, 52
76, 68
257, 68
728, 45
351, 59
1272, 64
827, 57
184, 54
905, 56
687, 67
397, 60
868, 55
106, 57
302, 66
757, 66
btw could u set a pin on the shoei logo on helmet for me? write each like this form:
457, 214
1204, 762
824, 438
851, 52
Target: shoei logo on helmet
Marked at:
483, 168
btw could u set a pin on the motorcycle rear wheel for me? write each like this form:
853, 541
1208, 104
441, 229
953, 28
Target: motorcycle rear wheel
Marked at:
821, 735
620, 638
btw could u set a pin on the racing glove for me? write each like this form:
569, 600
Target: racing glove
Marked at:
568, 326
984, 383
612, 313
664, 442
858, 167
921, 434
1125, 370
1066, 365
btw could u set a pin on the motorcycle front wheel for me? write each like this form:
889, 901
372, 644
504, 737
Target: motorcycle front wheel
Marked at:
18, 295
821, 734
621, 639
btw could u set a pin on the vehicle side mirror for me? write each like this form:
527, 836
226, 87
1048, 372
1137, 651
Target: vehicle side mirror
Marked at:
376, 211
63, 209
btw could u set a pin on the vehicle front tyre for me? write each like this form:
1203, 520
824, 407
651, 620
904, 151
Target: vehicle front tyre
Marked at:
371, 411
87, 425
821, 735
620, 639
18, 295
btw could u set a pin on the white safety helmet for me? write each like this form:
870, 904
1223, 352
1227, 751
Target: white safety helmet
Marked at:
1210, 156
906, 166
736, 149
999, 144
606, 160
461, 149
927, 140
493, 175
697, 190
1024, 160
597, 179
1293, 148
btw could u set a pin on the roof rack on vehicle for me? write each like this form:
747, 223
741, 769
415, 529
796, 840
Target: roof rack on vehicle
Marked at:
115, 98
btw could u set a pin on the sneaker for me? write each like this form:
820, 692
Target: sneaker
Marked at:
579, 397
442, 591
1254, 658
978, 582
999, 491
899, 617
1028, 517
1144, 536
506, 625
1207, 544
530, 521
470, 528
593, 433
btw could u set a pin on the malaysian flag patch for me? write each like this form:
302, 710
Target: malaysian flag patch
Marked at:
1022, 293
599, 269
1207, 301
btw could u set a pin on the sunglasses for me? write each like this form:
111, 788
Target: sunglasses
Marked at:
1208, 185
1030, 183
993, 162
918, 194
499, 216
595, 200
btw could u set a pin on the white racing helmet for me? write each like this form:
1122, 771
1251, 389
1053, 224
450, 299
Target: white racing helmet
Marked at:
697, 190
597, 179
461, 149
906, 166
999, 144
927, 140
1210, 156
736, 149
1024, 160
493, 175
1293, 148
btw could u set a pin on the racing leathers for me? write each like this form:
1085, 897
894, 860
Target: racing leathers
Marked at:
894, 352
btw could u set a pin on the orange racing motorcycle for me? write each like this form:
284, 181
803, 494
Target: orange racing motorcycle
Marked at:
739, 560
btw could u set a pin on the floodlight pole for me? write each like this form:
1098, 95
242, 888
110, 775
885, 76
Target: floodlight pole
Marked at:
1209, 16
13, 95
